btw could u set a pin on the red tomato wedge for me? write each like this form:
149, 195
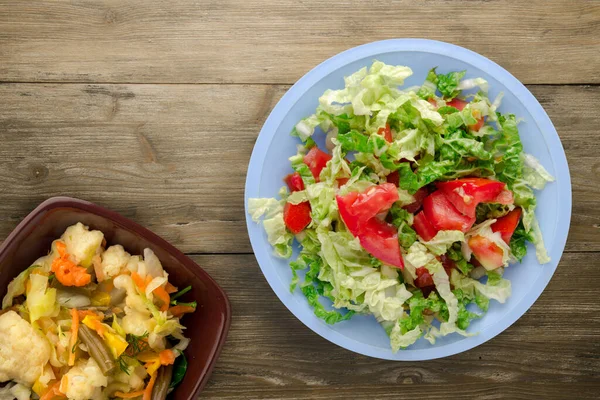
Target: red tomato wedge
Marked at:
294, 182
447, 263
504, 197
393, 177
424, 278
506, 225
486, 252
466, 193
381, 240
443, 215
296, 216
358, 211
423, 227
357, 208
342, 181
419, 197
459, 105
316, 160
386, 133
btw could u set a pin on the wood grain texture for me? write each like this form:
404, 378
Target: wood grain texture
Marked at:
277, 41
270, 354
174, 157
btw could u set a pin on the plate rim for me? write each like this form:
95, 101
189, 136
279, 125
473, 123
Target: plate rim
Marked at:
512, 84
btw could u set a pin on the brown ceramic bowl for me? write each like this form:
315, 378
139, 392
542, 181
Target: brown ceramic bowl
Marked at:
207, 327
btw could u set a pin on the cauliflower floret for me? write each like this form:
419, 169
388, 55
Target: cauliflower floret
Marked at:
23, 352
82, 243
137, 323
83, 381
114, 261
15, 391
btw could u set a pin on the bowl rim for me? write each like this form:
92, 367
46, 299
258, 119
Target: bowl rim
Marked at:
194, 268
512, 84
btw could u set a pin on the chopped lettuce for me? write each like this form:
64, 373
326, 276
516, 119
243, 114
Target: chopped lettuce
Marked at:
277, 234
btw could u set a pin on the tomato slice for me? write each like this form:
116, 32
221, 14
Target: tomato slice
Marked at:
460, 105
443, 215
506, 225
419, 197
423, 227
424, 278
466, 193
386, 133
294, 182
316, 160
381, 240
432, 101
393, 177
504, 197
457, 103
342, 181
357, 208
297, 216
486, 252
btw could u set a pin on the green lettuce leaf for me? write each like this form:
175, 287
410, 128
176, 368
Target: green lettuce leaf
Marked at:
277, 234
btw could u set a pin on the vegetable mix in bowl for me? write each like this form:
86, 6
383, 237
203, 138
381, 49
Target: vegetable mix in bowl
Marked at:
89, 322
413, 208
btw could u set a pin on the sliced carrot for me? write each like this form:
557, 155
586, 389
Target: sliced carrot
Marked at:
162, 294
85, 313
166, 357
74, 332
178, 311
170, 288
53, 392
66, 271
62, 248
148, 390
139, 281
129, 395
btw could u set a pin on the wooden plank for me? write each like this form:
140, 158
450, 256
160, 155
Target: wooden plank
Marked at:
277, 41
552, 350
174, 157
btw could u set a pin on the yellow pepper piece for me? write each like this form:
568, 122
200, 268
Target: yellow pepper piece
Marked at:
151, 368
116, 343
100, 299
39, 388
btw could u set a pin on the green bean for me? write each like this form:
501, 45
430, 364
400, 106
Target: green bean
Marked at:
97, 349
163, 380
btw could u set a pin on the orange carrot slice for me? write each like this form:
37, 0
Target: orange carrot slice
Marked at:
178, 311
170, 288
166, 357
129, 395
162, 294
148, 390
53, 392
66, 271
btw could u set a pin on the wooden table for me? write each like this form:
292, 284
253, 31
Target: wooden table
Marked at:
152, 109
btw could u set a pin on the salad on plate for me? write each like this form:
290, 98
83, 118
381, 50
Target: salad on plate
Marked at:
413, 208
91, 322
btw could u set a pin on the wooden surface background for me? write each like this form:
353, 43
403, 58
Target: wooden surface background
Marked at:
152, 109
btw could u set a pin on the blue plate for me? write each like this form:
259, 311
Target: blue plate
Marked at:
269, 164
